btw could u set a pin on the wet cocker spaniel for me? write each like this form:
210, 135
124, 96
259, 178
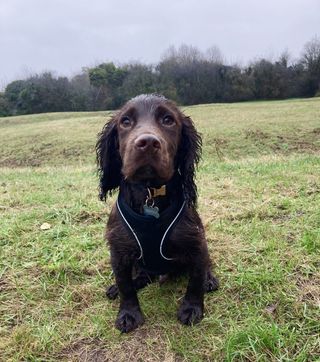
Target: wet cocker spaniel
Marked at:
149, 150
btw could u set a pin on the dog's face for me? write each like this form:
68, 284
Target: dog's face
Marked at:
149, 132
146, 141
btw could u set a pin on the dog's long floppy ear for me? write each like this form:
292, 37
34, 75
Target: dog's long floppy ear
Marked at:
188, 156
108, 159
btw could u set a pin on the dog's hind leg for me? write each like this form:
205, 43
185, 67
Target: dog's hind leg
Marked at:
140, 281
211, 283
112, 292
143, 279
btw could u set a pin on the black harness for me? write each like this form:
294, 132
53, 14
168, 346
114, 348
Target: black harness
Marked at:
151, 234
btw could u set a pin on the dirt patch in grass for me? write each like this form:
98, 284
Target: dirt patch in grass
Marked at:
71, 152
145, 345
256, 135
140, 345
42, 155
303, 146
309, 290
278, 216
313, 189
88, 217
85, 350
16, 163
316, 130
4, 285
298, 142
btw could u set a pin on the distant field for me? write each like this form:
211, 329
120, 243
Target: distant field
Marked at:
259, 197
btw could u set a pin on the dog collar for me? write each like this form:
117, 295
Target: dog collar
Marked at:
161, 191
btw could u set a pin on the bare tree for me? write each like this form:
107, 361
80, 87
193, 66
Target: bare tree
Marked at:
185, 54
285, 58
311, 63
214, 55
311, 55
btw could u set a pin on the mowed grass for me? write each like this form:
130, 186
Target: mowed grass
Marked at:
259, 197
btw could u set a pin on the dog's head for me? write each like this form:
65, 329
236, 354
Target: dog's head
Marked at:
147, 141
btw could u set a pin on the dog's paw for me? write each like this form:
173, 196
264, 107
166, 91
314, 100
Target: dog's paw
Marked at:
212, 284
128, 320
112, 292
190, 313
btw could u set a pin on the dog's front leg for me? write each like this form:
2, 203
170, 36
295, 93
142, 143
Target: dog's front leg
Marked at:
129, 316
191, 308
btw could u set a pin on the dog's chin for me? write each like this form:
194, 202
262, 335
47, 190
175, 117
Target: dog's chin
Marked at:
149, 175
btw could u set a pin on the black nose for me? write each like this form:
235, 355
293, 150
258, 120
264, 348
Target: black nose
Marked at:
147, 142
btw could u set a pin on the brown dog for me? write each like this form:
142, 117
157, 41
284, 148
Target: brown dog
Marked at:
150, 150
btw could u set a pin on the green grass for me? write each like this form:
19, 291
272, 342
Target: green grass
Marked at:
259, 197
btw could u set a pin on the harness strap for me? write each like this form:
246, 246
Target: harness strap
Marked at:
129, 226
165, 233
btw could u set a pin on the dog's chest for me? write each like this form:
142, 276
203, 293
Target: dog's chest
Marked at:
152, 234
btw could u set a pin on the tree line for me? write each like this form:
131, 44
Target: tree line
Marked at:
184, 74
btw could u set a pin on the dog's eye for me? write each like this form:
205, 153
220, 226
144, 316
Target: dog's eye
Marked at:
125, 122
167, 120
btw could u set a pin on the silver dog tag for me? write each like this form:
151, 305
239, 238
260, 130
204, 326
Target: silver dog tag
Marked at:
151, 211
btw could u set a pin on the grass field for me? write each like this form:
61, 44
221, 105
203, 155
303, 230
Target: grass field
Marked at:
259, 197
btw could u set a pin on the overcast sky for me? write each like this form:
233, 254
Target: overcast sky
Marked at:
65, 35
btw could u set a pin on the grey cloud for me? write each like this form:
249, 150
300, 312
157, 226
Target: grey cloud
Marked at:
66, 35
